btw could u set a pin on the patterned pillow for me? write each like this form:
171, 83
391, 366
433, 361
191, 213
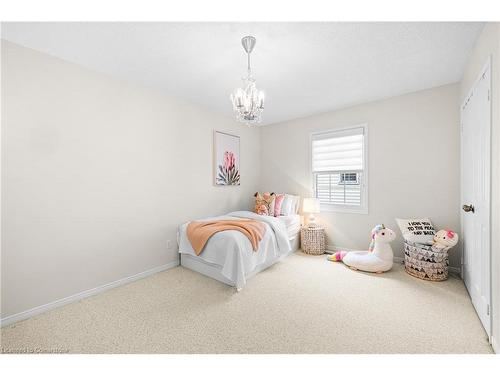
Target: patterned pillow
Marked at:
272, 204
263, 203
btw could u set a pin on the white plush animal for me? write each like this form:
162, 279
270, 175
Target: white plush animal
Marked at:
378, 260
445, 239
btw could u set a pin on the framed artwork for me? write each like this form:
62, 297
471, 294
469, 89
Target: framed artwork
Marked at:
226, 159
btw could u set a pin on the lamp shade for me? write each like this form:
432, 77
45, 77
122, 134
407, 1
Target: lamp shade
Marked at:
310, 205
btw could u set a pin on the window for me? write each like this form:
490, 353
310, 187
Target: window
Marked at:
349, 178
339, 172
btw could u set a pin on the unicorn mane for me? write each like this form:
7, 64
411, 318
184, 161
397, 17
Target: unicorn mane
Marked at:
375, 230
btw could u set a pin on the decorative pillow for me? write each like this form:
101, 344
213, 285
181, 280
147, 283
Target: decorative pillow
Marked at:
417, 230
263, 202
278, 202
272, 204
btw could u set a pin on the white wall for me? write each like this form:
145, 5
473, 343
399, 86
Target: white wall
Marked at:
487, 45
413, 161
96, 176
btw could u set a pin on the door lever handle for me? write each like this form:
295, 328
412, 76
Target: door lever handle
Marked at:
468, 208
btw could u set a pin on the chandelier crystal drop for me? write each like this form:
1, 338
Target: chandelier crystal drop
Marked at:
248, 102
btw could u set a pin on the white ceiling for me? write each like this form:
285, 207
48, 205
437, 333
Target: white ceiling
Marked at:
304, 68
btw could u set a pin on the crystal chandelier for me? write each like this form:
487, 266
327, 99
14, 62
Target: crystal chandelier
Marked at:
248, 102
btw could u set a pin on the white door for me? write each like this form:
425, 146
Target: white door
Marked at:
476, 124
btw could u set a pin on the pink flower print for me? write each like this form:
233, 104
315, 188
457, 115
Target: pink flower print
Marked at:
229, 160
227, 172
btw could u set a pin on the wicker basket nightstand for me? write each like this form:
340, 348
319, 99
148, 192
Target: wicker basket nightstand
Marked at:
313, 240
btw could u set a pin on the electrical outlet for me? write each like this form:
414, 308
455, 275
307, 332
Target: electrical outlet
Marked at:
169, 245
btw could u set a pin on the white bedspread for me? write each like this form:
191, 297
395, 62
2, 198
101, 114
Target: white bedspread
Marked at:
292, 223
232, 250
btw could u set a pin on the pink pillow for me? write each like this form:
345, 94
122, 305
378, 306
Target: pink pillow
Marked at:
278, 201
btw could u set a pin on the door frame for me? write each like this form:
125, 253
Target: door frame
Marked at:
486, 66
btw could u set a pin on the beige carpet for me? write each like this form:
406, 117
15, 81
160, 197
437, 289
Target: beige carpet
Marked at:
301, 305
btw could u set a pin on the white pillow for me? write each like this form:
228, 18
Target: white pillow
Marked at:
417, 230
286, 207
290, 205
296, 201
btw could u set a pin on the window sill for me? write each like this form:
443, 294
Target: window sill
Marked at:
325, 207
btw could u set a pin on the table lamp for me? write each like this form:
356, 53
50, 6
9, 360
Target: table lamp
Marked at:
311, 206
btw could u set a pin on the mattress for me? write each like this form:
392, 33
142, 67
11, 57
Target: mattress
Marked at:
292, 223
230, 253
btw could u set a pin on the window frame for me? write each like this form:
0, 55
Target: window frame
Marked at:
330, 207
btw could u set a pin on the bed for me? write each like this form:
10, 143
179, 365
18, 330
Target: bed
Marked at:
228, 256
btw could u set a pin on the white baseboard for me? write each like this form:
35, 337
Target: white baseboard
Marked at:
86, 293
398, 260
494, 345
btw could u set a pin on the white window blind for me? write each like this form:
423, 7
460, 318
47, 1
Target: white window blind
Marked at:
338, 167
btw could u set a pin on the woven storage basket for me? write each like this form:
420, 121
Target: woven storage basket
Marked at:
426, 262
312, 240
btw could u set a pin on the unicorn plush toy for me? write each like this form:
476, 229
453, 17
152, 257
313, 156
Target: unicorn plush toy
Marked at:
378, 258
